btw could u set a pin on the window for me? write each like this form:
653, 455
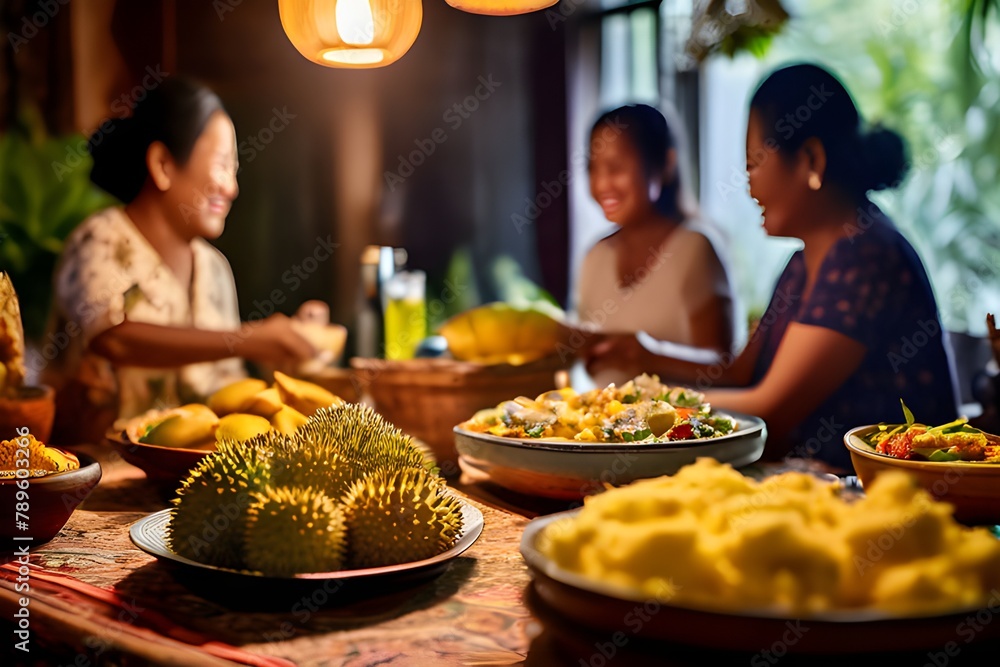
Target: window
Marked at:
902, 62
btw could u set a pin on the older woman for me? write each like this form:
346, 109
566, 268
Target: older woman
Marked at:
147, 306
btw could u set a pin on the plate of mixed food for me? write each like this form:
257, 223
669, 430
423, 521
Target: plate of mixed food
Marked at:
713, 558
956, 462
564, 444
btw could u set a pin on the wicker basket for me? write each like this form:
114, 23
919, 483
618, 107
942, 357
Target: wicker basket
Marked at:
427, 398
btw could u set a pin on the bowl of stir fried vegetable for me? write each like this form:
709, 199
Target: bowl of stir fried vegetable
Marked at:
566, 445
957, 463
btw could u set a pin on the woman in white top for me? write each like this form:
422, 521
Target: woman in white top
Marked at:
660, 273
145, 309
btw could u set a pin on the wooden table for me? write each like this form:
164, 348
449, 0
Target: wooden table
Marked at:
481, 611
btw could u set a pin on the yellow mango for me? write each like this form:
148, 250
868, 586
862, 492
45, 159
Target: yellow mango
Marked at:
232, 397
305, 397
264, 403
188, 427
239, 426
287, 420
502, 333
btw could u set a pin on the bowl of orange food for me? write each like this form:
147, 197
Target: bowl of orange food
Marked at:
40, 488
955, 462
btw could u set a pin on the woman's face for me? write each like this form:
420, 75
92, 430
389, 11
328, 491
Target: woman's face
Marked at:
204, 188
774, 184
618, 182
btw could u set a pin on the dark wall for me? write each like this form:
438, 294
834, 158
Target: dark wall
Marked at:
463, 194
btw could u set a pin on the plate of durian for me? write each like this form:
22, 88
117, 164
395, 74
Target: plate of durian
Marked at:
346, 496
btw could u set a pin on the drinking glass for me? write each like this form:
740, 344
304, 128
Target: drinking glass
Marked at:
405, 314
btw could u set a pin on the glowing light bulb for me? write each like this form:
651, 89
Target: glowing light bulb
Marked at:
355, 22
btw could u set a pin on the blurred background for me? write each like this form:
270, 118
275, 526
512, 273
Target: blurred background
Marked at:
469, 152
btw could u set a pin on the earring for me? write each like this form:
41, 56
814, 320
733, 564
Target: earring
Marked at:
814, 182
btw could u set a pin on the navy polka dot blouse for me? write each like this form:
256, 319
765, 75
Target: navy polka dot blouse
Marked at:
872, 287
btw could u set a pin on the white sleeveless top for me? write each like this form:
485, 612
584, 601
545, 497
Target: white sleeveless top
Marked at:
675, 282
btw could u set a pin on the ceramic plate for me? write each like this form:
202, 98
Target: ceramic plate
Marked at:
149, 535
568, 469
611, 609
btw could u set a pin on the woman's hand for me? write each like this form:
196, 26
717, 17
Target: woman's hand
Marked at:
622, 352
273, 341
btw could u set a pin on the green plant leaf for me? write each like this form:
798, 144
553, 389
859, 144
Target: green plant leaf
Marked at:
907, 414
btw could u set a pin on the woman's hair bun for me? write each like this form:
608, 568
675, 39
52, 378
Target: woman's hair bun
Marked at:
884, 157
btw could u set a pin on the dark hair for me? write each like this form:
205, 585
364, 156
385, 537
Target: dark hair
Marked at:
802, 101
174, 113
653, 137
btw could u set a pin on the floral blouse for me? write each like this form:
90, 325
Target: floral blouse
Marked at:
108, 273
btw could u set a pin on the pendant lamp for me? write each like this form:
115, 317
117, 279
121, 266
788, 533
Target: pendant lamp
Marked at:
354, 34
501, 7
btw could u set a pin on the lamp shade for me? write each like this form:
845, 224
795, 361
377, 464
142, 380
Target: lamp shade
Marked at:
501, 7
355, 34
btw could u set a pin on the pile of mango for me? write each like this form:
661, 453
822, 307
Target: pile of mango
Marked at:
238, 411
501, 333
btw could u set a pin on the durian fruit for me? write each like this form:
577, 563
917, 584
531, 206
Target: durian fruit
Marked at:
238, 426
305, 397
231, 398
190, 426
398, 517
291, 530
288, 420
362, 437
298, 463
208, 520
499, 333
12, 369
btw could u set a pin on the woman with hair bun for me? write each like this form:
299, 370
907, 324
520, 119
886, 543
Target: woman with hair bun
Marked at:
853, 326
145, 310
660, 273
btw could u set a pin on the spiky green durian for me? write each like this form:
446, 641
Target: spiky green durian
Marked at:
363, 439
298, 463
291, 530
209, 515
399, 516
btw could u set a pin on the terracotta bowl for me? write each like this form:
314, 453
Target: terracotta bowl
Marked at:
972, 488
164, 466
51, 501
33, 407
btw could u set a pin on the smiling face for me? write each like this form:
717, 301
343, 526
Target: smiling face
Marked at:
776, 181
202, 191
618, 181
